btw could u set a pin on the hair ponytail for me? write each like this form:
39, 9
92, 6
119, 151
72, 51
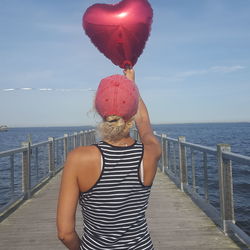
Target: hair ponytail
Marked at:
114, 128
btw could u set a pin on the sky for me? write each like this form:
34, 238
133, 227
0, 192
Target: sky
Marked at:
194, 68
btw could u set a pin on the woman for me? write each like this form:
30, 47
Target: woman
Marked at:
111, 180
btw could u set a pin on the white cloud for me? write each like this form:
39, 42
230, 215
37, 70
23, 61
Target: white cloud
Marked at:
45, 89
214, 69
226, 69
8, 89
50, 89
180, 76
26, 88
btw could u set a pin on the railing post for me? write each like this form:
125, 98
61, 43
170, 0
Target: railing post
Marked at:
205, 172
91, 137
36, 163
81, 138
163, 156
226, 186
94, 136
134, 133
51, 149
12, 175
174, 160
166, 154
26, 171
182, 162
138, 137
86, 137
75, 140
65, 146
169, 157
193, 170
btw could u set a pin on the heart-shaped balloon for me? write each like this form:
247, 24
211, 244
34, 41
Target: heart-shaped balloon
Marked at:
119, 31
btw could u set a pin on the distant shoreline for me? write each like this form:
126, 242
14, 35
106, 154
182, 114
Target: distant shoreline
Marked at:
153, 124
61, 126
180, 123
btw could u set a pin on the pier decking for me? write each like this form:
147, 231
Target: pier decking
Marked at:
175, 222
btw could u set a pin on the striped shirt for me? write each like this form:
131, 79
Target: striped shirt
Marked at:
114, 208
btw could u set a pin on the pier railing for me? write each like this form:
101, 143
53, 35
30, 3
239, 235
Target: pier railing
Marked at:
25, 170
205, 174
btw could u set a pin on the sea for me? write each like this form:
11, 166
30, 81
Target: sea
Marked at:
207, 134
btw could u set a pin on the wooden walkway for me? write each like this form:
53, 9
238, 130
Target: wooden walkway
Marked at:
174, 221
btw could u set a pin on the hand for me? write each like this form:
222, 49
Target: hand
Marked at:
130, 74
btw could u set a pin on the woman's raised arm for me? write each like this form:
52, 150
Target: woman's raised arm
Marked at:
143, 124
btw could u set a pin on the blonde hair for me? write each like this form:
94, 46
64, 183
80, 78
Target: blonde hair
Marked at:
114, 128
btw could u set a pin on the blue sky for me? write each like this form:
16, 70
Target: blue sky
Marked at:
195, 67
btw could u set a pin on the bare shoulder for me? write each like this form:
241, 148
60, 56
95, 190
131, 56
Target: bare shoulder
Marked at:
81, 155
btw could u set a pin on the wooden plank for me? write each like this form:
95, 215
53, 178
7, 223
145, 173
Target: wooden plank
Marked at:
174, 221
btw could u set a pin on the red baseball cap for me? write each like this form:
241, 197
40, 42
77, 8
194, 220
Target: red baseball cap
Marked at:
117, 95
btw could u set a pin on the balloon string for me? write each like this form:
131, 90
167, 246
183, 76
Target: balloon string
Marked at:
127, 65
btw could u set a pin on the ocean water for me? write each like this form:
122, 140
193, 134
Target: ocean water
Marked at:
210, 134
14, 137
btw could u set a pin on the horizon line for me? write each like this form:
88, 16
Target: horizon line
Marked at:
153, 124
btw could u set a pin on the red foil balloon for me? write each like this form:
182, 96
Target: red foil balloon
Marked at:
119, 31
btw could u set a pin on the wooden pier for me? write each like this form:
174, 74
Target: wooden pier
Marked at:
175, 222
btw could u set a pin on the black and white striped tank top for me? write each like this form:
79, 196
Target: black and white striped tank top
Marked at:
114, 208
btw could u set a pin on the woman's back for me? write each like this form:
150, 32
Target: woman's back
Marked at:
114, 208
113, 198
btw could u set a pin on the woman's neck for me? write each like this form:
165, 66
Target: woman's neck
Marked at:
126, 141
